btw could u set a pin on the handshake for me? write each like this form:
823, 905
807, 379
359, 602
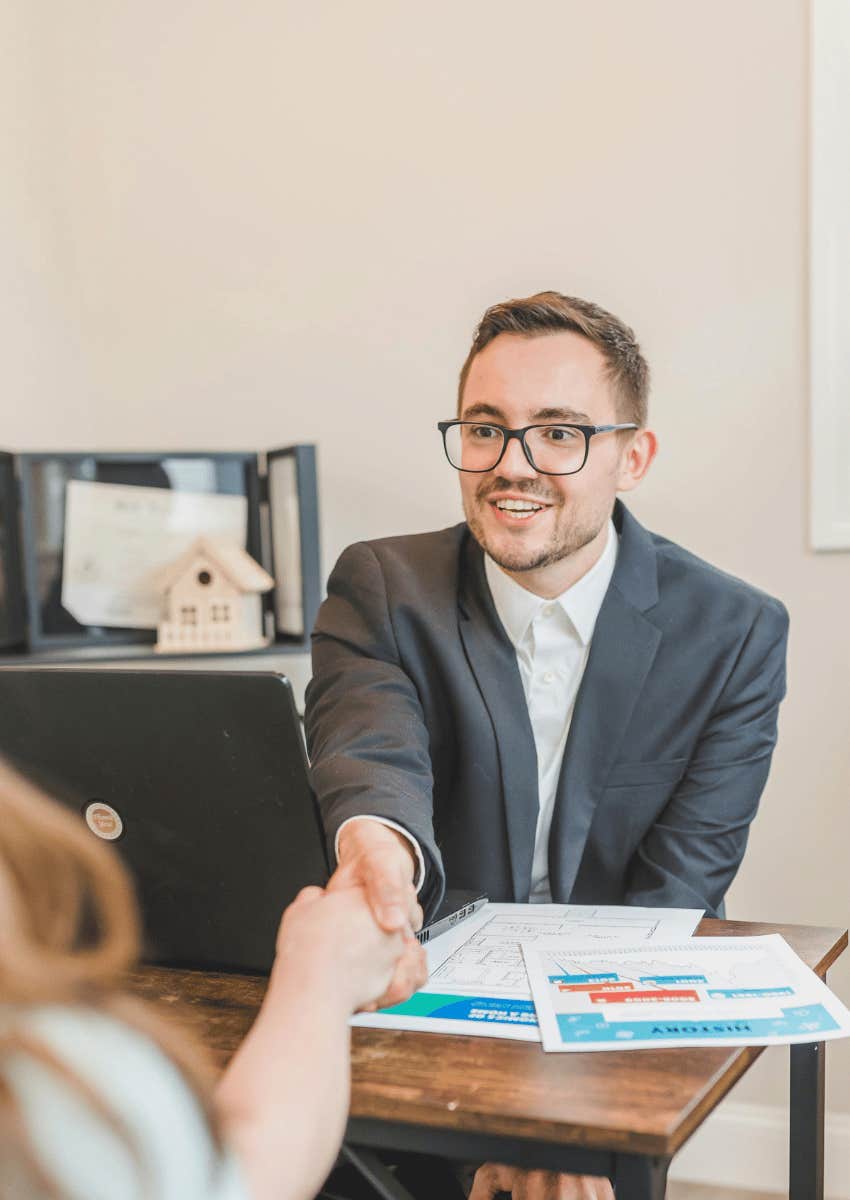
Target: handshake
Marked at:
357, 935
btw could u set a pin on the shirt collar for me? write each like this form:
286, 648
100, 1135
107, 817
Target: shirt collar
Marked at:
517, 608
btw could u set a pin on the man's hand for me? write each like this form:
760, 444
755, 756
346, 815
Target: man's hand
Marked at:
381, 861
493, 1178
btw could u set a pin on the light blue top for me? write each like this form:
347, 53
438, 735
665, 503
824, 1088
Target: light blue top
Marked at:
141, 1087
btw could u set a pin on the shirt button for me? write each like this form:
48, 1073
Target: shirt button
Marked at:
549, 677
549, 610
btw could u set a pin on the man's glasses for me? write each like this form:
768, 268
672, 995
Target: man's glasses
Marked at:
550, 449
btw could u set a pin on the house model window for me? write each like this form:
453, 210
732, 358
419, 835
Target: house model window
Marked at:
212, 600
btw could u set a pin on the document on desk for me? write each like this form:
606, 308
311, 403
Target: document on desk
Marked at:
701, 992
477, 983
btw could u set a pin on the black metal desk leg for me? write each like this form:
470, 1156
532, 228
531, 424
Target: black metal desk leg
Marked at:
807, 1106
638, 1177
375, 1173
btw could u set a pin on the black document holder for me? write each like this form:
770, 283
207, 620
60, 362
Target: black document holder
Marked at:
32, 519
12, 623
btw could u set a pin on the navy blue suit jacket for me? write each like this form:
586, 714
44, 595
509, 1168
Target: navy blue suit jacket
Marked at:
416, 712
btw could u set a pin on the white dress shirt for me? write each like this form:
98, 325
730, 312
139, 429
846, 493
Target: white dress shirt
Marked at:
552, 642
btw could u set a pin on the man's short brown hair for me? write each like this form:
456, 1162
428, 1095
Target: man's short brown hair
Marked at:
550, 312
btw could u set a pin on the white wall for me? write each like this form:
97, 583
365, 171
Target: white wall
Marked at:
242, 225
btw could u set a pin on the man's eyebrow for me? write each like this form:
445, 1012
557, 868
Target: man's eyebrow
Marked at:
562, 414
568, 415
482, 409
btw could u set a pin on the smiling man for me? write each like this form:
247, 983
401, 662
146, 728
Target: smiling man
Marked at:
546, 702
525, 501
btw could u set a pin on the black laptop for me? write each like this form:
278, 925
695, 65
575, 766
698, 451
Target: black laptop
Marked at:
200, 780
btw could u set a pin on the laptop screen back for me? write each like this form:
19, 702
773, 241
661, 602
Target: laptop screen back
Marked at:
198, 779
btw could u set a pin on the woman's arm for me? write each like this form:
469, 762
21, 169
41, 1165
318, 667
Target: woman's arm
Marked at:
284, 1097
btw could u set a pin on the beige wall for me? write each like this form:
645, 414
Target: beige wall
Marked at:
241, 225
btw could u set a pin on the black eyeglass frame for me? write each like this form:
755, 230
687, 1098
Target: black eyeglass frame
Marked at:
589, 431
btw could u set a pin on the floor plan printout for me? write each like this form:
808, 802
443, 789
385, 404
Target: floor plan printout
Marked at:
477, 981
702, 992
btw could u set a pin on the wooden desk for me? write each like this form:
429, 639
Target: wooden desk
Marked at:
621, 1113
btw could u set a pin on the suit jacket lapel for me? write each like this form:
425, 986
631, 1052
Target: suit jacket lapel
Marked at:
492, 659
624, 645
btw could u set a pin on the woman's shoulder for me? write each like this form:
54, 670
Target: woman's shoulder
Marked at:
107, 1113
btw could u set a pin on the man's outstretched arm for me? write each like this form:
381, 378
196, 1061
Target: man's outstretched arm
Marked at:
368, 747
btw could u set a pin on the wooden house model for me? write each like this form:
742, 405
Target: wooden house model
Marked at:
212, 600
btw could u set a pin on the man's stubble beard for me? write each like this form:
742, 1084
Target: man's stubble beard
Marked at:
563, 544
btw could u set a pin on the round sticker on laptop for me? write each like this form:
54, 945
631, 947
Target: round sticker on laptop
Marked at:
103, 820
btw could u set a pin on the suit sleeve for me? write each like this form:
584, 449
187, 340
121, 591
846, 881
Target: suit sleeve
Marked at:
366, 732
692, 853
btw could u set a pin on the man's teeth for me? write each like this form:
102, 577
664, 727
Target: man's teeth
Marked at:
518, 506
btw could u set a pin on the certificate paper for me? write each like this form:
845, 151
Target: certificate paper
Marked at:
477, 983
701, 992
118, 538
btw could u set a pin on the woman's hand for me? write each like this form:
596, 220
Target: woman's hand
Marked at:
331, 940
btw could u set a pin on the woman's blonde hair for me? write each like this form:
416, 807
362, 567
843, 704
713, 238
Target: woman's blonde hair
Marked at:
69, 933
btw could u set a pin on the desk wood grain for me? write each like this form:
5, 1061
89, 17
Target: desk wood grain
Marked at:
639, 1101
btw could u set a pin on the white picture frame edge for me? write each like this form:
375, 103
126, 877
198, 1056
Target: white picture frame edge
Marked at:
829, 275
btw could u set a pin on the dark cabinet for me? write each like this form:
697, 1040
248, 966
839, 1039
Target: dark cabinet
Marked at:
281, 532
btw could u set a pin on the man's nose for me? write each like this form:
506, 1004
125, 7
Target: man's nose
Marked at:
514, 462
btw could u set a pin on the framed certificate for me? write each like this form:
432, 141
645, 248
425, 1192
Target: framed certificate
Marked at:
86, 536
60, 610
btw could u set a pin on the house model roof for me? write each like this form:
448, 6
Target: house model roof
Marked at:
234, 563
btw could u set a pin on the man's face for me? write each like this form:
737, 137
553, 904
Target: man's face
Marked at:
517, 381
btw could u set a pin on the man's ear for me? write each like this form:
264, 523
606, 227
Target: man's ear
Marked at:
637, 459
